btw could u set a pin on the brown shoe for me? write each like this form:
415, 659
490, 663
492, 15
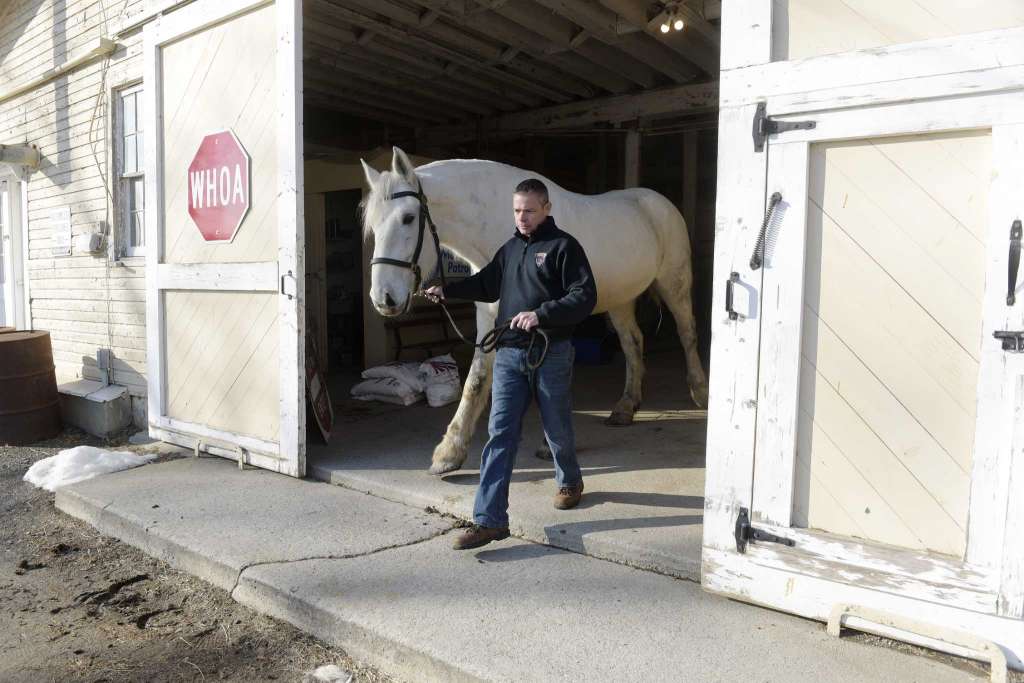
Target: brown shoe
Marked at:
568, 497
476, 536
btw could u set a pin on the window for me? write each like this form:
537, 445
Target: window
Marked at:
131, 184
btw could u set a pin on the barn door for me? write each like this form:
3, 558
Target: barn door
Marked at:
866, 436
224, 217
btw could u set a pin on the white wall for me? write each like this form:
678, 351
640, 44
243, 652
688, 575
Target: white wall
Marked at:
87, 302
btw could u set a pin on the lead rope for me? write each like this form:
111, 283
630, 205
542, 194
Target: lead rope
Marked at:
490, 341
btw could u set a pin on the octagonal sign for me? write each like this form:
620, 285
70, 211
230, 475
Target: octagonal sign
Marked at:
218, 186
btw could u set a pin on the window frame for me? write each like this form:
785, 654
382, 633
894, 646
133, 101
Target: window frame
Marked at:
121, 180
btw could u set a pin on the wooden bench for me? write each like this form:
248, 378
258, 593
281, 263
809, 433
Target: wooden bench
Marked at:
433, 317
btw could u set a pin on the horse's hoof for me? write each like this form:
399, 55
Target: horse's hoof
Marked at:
700, 396
619, 419
544, 453
439, 468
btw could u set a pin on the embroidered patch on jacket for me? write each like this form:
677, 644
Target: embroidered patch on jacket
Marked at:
539, 258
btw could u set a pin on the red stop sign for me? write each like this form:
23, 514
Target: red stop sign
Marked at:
218, 186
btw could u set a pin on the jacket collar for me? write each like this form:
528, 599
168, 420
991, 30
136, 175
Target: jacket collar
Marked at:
543, 230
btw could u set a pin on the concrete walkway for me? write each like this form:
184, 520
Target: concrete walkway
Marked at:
378, 578
645, 483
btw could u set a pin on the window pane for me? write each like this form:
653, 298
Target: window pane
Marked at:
128, 113
131, 164
137, 205
138, 229
138, 151
138, 113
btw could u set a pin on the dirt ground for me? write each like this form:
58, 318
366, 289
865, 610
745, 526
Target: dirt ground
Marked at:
77, 606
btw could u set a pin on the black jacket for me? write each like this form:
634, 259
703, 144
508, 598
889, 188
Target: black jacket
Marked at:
547, 272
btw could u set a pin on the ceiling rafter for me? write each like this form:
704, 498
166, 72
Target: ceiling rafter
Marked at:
604, 25
419, 88
519, 72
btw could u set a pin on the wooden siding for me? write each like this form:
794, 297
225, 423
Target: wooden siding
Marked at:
895, 270
88, 302
807, 28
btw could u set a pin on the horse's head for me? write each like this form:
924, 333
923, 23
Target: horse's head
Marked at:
397, 227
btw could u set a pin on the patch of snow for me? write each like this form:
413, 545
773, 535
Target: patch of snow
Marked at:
80, 463
328, 673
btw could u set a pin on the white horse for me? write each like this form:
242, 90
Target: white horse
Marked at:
634, 239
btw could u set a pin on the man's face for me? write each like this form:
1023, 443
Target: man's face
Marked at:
530, 211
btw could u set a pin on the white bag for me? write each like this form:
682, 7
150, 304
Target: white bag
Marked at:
409, 373
442, 393
397, 400
440, 370
386, 389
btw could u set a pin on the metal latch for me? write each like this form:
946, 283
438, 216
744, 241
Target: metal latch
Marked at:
764, 126
1013, 341
745, 532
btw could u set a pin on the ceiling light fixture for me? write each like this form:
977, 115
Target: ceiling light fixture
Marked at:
673, 19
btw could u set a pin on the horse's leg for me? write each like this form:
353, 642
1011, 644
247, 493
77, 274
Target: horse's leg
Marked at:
632, 341
674, 287
451, 452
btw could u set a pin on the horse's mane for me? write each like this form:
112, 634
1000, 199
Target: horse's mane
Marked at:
375, 205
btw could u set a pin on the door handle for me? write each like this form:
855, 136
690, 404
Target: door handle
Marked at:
1011, 288
734, 277
289, 292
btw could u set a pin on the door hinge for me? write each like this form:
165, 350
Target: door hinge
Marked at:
745, 532
764, 126
1012, 340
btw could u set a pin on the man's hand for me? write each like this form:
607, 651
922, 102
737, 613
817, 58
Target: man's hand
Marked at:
527, 320
435, 293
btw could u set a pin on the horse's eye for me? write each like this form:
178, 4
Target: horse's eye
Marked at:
407, 219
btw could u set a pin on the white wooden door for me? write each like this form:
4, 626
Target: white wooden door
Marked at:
862, 412
224, 319
13, 301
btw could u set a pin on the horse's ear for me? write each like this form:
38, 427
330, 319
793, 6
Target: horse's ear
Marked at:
402, 166
372, 176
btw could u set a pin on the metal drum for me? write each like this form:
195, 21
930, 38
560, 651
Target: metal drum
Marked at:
29, 406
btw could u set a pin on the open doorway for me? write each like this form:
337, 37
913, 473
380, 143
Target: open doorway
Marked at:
645, 481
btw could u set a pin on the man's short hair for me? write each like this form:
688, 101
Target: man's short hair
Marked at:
533, 186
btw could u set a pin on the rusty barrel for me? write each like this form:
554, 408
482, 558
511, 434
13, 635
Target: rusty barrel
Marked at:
29, 406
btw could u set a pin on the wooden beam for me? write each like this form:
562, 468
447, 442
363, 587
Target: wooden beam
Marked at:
693, 47
531, 77
690, 179
489, 84
366, 94
536, 41
681, 99
441, 93
370, 113
555, 39
603, 24
631, 158
499, 93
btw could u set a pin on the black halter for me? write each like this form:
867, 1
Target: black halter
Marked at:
425, 221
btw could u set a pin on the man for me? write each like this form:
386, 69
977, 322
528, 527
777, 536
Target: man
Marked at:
542, 278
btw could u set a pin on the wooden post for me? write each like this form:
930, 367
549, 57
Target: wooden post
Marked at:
631, 159
690, 182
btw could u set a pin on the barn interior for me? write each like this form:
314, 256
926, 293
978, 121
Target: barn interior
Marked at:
595, 96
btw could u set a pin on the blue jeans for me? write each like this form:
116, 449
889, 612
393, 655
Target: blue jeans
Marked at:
513, 387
